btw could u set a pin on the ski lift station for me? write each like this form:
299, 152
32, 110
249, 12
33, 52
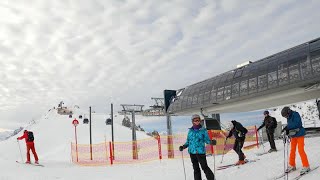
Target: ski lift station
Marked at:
290, 76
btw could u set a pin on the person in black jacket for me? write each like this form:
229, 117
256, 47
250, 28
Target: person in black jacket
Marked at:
271, 124
239, 132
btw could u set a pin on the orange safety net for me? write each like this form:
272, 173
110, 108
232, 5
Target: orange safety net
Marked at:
222, 146
154, 148
80, 154
136, 151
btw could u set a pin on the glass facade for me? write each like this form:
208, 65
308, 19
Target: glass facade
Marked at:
294, 65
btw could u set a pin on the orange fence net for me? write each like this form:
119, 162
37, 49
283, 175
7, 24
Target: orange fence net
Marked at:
155, 148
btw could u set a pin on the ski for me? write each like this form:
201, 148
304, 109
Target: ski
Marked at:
301, 175
225, 167
30, 164
232, 165
261, 154
282, 175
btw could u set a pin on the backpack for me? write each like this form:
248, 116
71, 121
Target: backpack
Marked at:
30, 136
275, 123
245, 131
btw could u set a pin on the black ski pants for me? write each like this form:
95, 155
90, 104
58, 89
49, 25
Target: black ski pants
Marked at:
201, 158
271, 140
237, 147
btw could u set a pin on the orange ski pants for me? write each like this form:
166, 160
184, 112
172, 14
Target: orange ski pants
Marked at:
300, 142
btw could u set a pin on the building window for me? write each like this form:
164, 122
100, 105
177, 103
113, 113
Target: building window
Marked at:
272, 79
213, 96
235, 90
305, 69
283, 74
220, 94
244, 88
252, 85
315, 61
262, 82
294, 74
227, 92
206, 97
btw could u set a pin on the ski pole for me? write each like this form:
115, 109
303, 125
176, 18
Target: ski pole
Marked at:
224, 148
214, 160
184, 169
20, 150
284, 154
288, 141
261, 142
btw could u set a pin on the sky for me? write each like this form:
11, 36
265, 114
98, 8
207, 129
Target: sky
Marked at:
92, 53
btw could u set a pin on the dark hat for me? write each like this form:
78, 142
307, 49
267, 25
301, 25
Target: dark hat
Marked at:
266, 112
285, 111
25, 131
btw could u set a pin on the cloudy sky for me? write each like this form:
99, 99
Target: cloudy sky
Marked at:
127, 51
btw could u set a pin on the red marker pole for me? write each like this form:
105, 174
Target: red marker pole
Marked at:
75, 133
75, 122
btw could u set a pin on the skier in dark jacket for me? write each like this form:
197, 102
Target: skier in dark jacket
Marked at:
196, 140
239, 132
271, 124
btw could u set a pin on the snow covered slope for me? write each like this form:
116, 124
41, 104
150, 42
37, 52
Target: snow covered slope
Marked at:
54, 132
307, 110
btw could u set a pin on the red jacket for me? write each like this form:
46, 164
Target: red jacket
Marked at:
25, 136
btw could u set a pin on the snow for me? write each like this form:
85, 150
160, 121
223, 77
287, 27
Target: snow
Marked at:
307, 110
53, 134
5, 134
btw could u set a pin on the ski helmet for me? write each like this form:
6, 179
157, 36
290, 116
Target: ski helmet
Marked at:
285, 111
266, 112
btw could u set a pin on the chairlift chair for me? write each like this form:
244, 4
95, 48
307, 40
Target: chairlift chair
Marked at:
108, 121
85, 121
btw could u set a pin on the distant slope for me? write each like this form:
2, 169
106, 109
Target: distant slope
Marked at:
54, 133
307, 110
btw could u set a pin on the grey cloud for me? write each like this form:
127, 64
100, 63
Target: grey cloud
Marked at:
90, 52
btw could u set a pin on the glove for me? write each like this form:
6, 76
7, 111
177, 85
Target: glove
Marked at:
213, 142
284, 129
181, 148
17, 139
240, 135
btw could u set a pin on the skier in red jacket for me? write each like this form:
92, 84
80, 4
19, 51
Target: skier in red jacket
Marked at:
30, 145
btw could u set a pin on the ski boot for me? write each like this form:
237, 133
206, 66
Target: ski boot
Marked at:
290, 168
240, 162
304, 170
272, 150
